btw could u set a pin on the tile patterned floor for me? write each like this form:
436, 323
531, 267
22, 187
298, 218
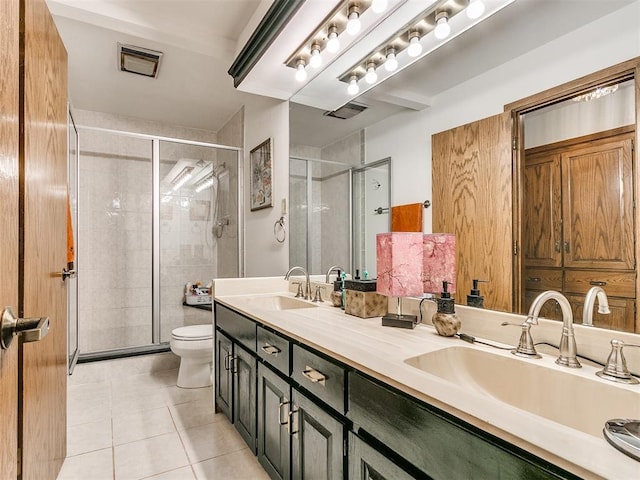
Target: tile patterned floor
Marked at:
127, 420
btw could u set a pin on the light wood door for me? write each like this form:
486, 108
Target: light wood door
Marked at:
9, 135
542, 211
472, 198
598, 206
44, 182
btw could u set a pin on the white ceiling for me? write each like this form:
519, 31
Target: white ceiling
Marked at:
199, 39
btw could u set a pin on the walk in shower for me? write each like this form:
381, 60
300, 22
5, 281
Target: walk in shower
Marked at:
155, 214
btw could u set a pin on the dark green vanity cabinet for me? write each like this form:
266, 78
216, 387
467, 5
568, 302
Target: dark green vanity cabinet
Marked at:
367, 463
223, 375
245, 368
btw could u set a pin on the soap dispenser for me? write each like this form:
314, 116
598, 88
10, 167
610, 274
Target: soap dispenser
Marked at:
474, 299
336, 294
445, 319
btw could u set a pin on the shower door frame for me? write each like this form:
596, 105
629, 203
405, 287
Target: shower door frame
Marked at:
157, 345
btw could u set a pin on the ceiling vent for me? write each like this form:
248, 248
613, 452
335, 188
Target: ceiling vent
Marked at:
347, 111
138, 60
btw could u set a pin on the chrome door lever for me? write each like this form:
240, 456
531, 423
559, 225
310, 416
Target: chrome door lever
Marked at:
31, 329
71, 273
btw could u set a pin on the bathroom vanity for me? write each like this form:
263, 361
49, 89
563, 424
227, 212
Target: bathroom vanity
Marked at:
317, 393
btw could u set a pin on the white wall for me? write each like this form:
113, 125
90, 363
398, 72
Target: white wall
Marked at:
264, 256
406, 137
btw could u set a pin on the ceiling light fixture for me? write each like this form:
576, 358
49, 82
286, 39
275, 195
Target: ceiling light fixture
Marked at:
391, 63
138, 60
206, 182
301, 73
371, 77
415, 47
443, 29
475, 9
379, 6
597, 93
316, 59
353, 87
183, 177
353, 22
333, 44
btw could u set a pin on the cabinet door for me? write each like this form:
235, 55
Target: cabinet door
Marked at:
244, 367
223, 376
317, 442
274, 443
622, 316
598, 206
366, 463
472, 198
542, 211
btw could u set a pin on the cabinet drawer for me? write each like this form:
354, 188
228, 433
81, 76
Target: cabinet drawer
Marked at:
274, 349
319, 376
543, 279
239, 327
616, 284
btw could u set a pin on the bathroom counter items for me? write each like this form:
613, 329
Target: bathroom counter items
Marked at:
389, 355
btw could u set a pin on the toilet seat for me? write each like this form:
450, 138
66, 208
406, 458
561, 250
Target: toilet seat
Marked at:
193, 333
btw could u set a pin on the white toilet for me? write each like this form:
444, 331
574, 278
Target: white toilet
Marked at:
194, 345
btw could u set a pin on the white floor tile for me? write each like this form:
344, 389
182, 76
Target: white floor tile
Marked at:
212, 440
94, 465
140, 425
184, 473
176, 395
144, 458
193, 414
88, 403
138, 399
88, 437
240, 465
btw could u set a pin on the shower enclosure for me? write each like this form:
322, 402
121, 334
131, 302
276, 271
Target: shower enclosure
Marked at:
155, 215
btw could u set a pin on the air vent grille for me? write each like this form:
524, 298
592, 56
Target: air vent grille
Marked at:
138, 60
347, 111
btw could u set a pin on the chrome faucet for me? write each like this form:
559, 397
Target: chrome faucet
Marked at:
307, 293
335, 268
589, 302
568, 349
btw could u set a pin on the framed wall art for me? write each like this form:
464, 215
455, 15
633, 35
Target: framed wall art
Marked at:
261, 171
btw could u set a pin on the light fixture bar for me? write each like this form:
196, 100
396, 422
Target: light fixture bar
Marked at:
183, 177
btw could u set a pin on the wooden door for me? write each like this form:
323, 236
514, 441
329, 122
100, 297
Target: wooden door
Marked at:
43, 250
542, 211
317, 446
472, 198
9, 135
598, 206
273, 437
244, 395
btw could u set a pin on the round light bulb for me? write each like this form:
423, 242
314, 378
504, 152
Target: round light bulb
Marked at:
353, 24
475, 9
379, 6
353, 87
301, 73
415, 47
391, 63
443, 29
316, 59
333, 44
371, 75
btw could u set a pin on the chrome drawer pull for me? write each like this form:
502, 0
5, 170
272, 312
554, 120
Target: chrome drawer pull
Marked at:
596, 283
291, 427
534, 279
270, 350
314, 375
286, 420
226, 361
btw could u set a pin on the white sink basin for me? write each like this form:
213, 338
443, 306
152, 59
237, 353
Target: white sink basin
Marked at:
277, 302
570, 398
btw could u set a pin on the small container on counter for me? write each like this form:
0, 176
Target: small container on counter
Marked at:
363, 301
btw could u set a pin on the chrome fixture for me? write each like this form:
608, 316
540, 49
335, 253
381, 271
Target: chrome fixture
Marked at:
616, 367
353, 19
138, 60
183, 177
307, 293
415, 48
301, 73
335, 268
443, 29
526, 348
568, 349
318, 295
589, 302
30, 329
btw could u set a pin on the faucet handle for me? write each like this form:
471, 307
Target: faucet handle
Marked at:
526, 348
616, 367
300, 293
318, 296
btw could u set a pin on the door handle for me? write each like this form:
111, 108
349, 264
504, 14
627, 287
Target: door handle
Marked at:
71, 273
31, 329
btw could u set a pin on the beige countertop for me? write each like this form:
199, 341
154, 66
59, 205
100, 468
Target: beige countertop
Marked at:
381, 352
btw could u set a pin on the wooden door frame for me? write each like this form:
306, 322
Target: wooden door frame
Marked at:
627, 70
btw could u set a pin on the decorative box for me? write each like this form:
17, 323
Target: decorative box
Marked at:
362, 300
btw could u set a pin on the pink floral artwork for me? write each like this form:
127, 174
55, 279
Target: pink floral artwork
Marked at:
399, 264
439, 262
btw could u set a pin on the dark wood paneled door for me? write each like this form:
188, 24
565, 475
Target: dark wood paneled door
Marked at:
43, 224
9, 136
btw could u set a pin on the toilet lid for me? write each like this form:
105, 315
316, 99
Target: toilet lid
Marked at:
193, 332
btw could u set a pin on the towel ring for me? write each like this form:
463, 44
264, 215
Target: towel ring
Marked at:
280, 230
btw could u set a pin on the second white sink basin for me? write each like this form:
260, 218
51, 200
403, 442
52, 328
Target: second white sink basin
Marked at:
569, 398
277, 302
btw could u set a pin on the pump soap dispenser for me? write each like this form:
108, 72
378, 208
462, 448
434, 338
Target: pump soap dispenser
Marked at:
445, 319
474, 299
